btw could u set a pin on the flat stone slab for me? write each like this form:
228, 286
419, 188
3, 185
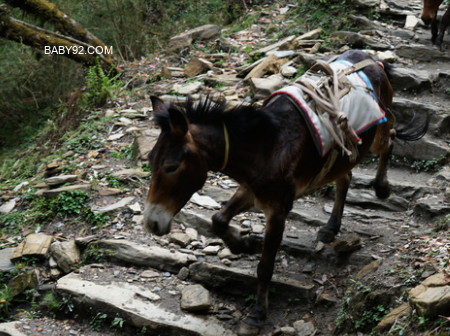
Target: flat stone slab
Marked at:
5, 263
33, 245
9, 329
61, 179
239, 281
115, 206
53, 193
131, 172
130, 300
140, 254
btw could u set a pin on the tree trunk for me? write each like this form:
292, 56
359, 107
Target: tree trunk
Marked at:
47, 11
46, 41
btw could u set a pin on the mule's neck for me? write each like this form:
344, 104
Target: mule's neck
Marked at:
239, 156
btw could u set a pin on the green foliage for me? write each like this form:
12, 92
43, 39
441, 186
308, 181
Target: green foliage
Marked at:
321, 13
98, 321
94, 218
117, 323
429, 165
5, 300
371, 317
100, 86
95, 254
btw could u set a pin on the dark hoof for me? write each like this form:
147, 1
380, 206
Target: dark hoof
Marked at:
382, 189
249, 327
325, 235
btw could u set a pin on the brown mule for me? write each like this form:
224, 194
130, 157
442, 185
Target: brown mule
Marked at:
272, 155
429, 15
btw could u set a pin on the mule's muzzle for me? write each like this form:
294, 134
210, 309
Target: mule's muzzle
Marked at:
157, 219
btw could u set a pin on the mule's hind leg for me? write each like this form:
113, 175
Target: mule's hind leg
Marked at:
382, 145
242, 200
327, 232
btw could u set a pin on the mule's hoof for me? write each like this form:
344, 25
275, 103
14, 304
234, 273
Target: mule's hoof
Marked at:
249, 327
325, 236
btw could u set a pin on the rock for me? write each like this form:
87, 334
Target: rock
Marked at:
196, 66
11, 329
411, 22
387, 56
243, 281
347, 243
34, 245
192, 233
368, 198
288, 71
447, 195
220, 195
271, 64
92, 154
183, 274
135, 208
109, 191
211, 250
137, 306
114, 137
26, 280
273, 47
202, 223
5, 263
8, 206
112, 207
393, 316
432, 206
180, 238
204, 201
423, 149
226, 253
139, 172
288, 331
143, 143
53, 193
410, 79
149, 274
433, 301
304, 328
184, 40
356, 40
311, 35
188, 88
327, 299
369, 268
365, 3
264, 87
139, 254
195, 298
420, 52
66, 255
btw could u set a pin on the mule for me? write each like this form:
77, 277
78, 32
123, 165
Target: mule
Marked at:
270, 152
429, 15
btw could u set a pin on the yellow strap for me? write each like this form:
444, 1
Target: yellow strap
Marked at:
227, 147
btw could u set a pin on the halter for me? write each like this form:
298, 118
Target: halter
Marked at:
227, 147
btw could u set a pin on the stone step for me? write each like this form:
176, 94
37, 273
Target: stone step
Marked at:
137, 305
239, 281
144, 255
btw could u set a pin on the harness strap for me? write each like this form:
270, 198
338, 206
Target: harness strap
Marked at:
227, 147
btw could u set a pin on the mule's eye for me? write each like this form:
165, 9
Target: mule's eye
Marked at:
172, 168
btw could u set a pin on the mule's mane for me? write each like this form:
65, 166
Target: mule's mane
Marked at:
238, 119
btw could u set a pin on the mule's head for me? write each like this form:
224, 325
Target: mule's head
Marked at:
429, 10
178, 169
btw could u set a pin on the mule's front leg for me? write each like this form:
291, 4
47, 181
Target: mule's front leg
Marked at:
327, 232
241, 201
272, 240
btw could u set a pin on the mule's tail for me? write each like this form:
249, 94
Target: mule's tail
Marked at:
414, 130
416, 127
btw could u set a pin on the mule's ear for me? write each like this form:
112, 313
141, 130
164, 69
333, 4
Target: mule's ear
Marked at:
178, 121
158, 106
